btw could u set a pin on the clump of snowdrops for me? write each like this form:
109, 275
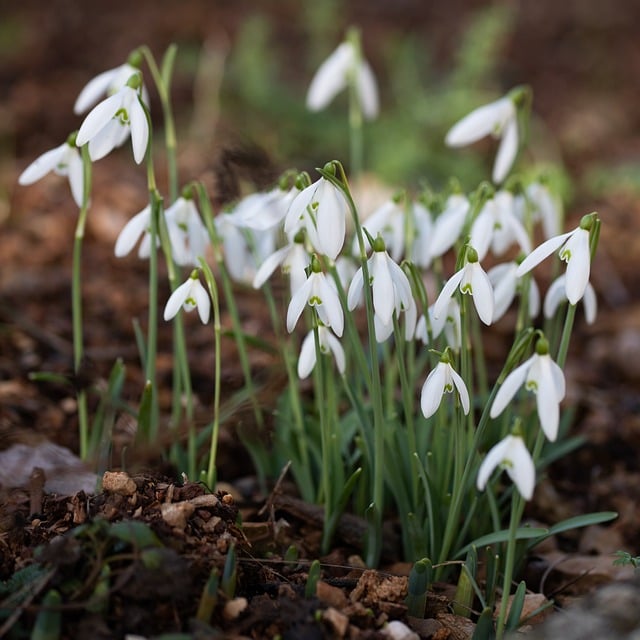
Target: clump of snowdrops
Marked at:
392, 407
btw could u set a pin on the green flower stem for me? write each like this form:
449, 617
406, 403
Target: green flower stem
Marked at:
517, 505
303, 470
408, 407
236, 326
215, 430
162, 81
76, 302
452, 525
566, 335
325, 441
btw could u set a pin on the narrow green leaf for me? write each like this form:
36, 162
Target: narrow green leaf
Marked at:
312, 579
576, 522
136, 533
515, 610
49, 620
523, 533
209, 597
229, 574
168, 61
484, 627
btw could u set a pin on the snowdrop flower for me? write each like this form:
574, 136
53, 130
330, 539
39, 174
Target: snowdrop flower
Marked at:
107, 83
449, 321
321, 209
574, 250
187, 233
545, 207
139, 226
328, 344
505, 283
243, 248
264, 210
512, 455
471, 279
113, 120
293, 260
64, 160
556, 294
545, 378
448, 225
391, 292
343, 66
422, 231
497, 227
189, 295
318, 292
388, 221
442, 380
499, 119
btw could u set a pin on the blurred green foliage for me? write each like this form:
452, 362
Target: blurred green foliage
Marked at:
265, 82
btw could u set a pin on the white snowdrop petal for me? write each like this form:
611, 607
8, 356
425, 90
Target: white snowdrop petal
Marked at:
382, 287
447, 291
131, 232
176, 300
367, 91
203, 302
509, 388
541, 252
307, 358
462, 389
522, 470
355, 290
139, 130
269, 265
297, 304
97, 118
547, 403
555, 295
493, 459
482, 293
432, 390
331, 305
42, 165
590, 302
579, 265
94, 90
507, 151
330, 78
479, 123
76, 176
338, 352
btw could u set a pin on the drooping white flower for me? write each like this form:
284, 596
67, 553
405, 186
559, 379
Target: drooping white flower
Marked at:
189, 295
243, 249
321, 209
472, 280
512, 455
263, 210
187, 233
334, 75
388, 221
106, 84
318, 292
421, 251
64, 160
328, 344
391, 292
574, 250
497, 227
448, 225
498, 119
556, 295
541, 375
138, 227
293, 260
112, 121
449, 321
443, 379
546, 207
505, 283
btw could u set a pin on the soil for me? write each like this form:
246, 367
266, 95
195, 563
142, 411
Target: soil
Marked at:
577, 56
